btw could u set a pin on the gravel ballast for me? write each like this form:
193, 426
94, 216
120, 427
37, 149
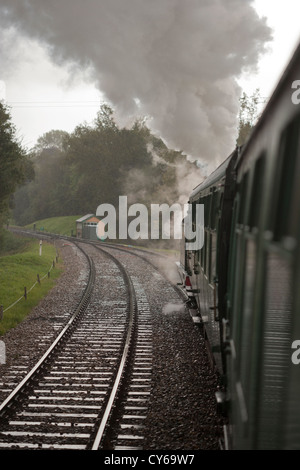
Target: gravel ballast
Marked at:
26, 343
182, 409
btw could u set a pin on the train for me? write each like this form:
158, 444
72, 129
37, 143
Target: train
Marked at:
245, 280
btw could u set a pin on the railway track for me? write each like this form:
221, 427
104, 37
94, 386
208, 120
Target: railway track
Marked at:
74, 401
101, 358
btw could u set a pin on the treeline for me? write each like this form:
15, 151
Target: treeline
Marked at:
74, 173
15, 167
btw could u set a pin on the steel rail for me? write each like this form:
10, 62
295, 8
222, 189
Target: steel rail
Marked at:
102, 427
124, 247
126, 351
76, 314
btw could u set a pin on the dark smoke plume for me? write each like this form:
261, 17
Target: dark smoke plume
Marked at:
174, 61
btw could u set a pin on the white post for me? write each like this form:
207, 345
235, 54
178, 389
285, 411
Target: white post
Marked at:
41, 247
2, 353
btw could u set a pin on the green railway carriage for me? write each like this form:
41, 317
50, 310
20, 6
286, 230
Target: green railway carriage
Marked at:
246, 278
203, 265
263, 288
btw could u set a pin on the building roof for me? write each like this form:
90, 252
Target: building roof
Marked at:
82, 219
92, 219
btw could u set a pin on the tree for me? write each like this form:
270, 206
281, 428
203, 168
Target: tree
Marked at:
52, 139
15, 166
248, 115
96, 164
46, 195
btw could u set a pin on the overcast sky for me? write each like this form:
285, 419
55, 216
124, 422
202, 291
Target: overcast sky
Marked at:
52, 75
282, 16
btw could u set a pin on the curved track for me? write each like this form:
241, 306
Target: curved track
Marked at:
67, 400
75, 402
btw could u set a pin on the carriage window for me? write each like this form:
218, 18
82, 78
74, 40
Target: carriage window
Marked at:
207, 255
288, 153
243, 192
214, 209
194, 216
213, 249
204, 252
207, 200
247, 317
257, 191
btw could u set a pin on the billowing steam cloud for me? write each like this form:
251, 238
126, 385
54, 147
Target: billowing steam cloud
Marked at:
172, 60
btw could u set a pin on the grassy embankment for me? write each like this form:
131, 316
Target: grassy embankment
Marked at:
65, 226
61, 225
19, 266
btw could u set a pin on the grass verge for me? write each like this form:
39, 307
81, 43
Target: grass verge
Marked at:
20, 270
61, 225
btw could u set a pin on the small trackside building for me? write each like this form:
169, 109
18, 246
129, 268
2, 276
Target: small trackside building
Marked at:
86, 227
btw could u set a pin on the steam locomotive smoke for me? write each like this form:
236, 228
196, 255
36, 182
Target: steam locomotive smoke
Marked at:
172, 60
